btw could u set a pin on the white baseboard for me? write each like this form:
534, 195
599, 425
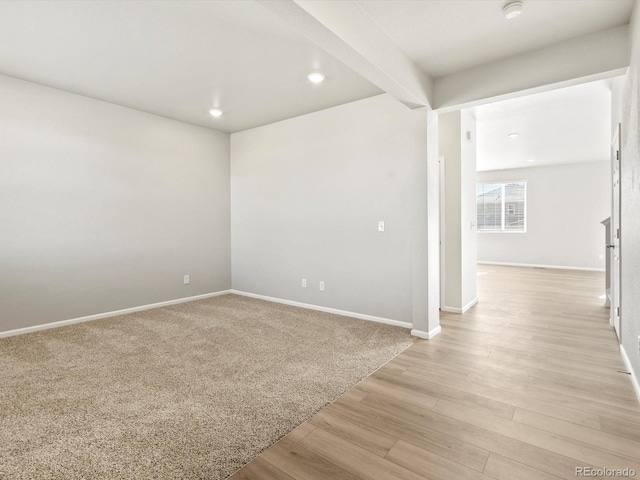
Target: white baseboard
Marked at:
427, 335
534, 265
444, 308
460, 310
470, 304
634, 378
62, 323
335, 311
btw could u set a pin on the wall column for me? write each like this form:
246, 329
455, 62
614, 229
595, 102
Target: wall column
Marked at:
425, 250
457, 148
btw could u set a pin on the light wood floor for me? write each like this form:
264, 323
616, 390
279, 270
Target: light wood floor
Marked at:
526, 385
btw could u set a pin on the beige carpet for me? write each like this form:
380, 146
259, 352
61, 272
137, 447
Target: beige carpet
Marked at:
194, 390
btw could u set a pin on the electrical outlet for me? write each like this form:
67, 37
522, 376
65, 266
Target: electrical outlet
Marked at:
381, 226
186, 279
601, 256
321, 286
304, 283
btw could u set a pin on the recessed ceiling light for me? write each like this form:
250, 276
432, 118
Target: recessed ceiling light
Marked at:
215, 112
513, 135
315, 77
512, 10
531, 160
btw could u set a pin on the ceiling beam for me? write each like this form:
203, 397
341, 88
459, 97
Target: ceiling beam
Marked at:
344, 30
586, 58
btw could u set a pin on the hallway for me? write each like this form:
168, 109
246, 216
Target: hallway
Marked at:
528, 384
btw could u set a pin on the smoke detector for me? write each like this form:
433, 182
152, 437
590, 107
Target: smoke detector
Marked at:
512, 10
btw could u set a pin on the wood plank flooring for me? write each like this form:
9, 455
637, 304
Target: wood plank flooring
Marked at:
529, 384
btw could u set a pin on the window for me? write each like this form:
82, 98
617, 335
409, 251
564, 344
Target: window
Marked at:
501, 207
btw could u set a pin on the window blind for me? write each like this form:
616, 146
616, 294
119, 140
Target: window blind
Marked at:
501, 207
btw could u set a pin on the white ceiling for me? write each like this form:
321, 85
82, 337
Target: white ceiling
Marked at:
447, 36
568, 125
180, 58
175, 59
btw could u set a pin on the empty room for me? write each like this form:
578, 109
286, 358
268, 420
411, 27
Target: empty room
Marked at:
240, 239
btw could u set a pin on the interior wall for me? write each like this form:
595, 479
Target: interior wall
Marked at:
429, 253
450, 149
105, 207
307, 195
565, 205
630, 186
457, 136
469, 229
617, 103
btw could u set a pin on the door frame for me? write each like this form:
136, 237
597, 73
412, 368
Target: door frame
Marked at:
442, 230
616, 232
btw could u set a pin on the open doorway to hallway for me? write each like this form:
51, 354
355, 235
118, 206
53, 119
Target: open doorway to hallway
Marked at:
527, 183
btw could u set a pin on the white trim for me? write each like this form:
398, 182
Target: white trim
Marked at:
442, 244
335, 311
97, 316
444, 308
470, 304
426, 335
534, 265
634, 379
460, 310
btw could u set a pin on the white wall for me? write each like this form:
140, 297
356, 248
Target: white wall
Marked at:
307, 194
469, 235
565, 205
450, 149
617, 103
459, 238
104, 207
630, 185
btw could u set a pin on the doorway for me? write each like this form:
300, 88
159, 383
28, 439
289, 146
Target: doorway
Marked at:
546, 187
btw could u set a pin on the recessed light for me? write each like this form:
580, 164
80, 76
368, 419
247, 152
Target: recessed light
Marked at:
315, 77
512, 10
215, 112
513, 135
531, 160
